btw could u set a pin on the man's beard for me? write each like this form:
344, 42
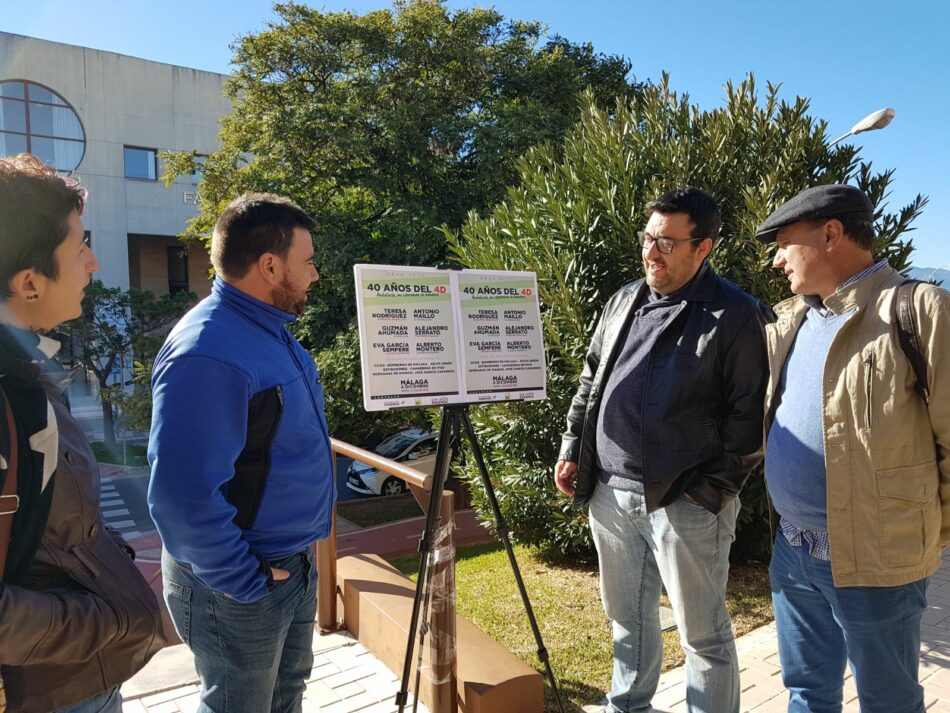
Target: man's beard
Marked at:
284, 297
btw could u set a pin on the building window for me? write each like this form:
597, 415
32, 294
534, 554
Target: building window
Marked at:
141, 163
177, 269
200, 160
36, 120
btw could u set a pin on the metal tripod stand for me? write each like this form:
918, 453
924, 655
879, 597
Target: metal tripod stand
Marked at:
453, 418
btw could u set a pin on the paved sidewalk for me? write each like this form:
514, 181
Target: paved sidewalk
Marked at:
761, 681
346, 678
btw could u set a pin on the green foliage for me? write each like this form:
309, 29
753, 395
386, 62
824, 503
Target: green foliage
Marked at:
136, 405
126, 454
118, 324
386, 125
566, 602
339, 367
573, 219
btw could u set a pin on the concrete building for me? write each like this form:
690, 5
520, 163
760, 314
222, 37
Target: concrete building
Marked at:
106, 116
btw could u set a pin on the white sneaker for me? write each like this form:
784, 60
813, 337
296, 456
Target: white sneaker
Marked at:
593, 708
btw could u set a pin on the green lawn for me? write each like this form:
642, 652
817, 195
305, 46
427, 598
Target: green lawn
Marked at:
566, 602
134, 454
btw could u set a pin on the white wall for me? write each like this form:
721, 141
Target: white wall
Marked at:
124, 101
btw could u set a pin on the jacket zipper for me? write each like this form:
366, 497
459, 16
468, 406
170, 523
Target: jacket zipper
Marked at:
303, 372
869, 377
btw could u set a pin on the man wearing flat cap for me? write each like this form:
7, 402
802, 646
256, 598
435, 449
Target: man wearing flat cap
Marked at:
856, 459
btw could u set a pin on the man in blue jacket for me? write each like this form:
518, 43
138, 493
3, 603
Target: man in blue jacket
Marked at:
242, 480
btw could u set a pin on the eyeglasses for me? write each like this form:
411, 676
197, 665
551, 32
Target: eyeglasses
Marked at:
664, 245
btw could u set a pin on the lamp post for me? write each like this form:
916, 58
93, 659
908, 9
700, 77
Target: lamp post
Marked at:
930, 278
876, 120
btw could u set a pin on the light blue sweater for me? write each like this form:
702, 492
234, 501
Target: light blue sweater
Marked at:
795, 448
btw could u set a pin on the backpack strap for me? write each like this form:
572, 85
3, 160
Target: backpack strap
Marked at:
9, 500
909, 337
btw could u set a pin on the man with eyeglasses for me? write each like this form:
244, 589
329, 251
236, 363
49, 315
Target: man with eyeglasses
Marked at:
661, 435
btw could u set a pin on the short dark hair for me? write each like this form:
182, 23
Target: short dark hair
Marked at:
35, 205
860, 231
251, 225
701, 208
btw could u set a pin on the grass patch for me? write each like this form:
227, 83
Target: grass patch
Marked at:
134, 454
376, 511
566, 602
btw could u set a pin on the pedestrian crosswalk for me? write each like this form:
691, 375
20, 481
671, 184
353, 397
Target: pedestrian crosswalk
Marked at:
116, 512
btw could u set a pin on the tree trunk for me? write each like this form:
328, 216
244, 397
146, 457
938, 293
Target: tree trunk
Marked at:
108, 421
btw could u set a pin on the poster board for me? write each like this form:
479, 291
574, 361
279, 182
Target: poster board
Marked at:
431, 337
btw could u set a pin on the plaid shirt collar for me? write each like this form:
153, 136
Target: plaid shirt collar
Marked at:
815, 303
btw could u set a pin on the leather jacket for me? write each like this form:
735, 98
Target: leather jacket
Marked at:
703, 400
85, 620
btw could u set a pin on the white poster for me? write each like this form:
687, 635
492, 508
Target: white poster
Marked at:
431, 337
501, 331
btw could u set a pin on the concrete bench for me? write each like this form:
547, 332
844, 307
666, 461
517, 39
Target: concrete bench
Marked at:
377, 607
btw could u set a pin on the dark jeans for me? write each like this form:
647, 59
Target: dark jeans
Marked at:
254, 657
821, 627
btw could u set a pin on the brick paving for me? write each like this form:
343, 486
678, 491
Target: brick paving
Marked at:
761, 681
346, 678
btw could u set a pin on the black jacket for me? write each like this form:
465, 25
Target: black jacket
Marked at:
83, 620
702, 425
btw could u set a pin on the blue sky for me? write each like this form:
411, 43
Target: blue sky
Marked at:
849, 57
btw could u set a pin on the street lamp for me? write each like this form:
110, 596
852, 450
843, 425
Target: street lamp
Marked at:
935, 271
877, 120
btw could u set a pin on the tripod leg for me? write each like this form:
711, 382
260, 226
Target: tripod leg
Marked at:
502, 529
423, 630
438, 618
437, 569
442, 458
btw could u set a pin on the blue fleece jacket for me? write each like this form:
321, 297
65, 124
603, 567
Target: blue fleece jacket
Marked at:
225, 351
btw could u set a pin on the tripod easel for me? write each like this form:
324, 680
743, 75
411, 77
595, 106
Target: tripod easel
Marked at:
454, 418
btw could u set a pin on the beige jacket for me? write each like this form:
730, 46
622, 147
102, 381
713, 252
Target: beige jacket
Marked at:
886, 454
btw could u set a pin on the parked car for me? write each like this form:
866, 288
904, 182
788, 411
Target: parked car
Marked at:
413, 447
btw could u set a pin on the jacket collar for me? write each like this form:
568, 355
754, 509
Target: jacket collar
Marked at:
847, 297
22, 352
260, 313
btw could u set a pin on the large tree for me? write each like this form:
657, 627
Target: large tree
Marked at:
573, 218
386, 125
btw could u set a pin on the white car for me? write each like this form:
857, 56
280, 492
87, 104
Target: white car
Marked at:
413, 447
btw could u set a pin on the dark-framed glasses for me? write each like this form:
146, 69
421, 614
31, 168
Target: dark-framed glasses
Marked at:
664, 245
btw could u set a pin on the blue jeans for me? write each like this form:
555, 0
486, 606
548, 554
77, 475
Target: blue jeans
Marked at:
107, 702
821, 627
685, 548
251, 658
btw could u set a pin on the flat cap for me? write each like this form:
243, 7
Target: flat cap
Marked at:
832, 201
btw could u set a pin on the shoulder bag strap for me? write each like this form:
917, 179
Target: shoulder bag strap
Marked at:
9, 501
909, 337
